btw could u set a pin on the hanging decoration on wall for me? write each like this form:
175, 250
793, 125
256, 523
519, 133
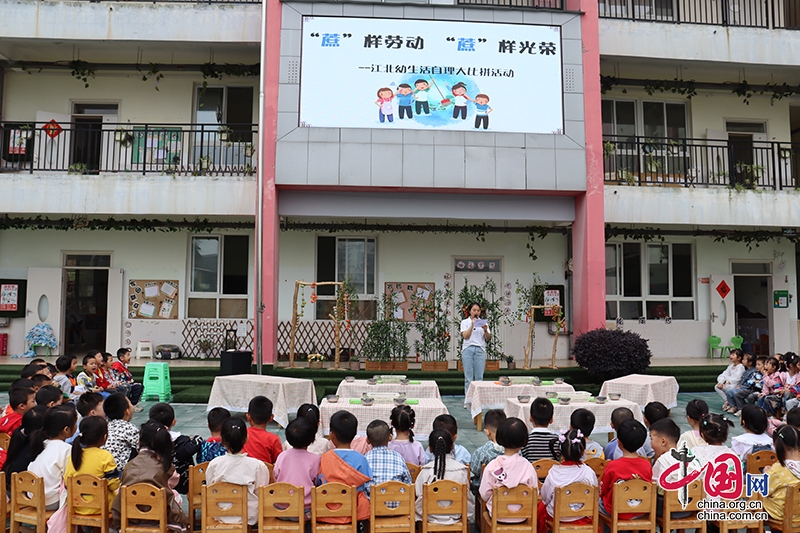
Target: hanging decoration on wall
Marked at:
153, 299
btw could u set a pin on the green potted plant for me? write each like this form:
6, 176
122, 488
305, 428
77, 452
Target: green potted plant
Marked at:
315, 359
387, 338
225, 134
123, 136
511, 364
205, 346
433, 325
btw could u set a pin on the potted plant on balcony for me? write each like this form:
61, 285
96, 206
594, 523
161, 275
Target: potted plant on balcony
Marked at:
249, 150
123, 136
225, 135
25, 133
433, 324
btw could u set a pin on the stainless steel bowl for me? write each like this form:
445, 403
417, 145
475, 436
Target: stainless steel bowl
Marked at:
551, 394
601, 399
614, 396
523, 398
332, 398
558, 381
367, 401
563, 401
349, 379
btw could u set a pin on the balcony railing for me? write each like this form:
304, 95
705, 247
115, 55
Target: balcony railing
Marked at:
95, 147
744, 13
536, 4
701, 163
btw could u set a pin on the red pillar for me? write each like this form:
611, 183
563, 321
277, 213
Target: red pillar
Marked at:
588, 231
270, 220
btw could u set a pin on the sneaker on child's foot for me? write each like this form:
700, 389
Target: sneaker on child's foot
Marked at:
138, 408
725, 406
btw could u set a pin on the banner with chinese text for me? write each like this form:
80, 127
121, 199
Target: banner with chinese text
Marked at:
424, 74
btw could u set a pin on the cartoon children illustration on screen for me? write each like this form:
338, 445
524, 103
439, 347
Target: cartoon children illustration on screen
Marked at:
460, 99
482, 111
384, 103
421, 96
404, 99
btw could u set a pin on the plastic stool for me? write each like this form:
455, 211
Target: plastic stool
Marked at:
144, 349
156, 382
714, 344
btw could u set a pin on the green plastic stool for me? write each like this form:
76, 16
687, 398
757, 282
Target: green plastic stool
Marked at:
714, 344
157, 382
737, 342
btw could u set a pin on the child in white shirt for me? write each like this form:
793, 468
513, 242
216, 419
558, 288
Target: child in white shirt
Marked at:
50, 453
754, 422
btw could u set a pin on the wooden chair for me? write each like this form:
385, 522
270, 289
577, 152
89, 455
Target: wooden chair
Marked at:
414, 470
392, 508
281, 508
334, 501
581, 495
597, 465
542, 468
86, 492
635, 496
5, 440
757, 461
4, 506
197, 478
672, 505
222, 501
271, 469
27, 502
143, 509
521, 496
444, 497
733, 525
791, 510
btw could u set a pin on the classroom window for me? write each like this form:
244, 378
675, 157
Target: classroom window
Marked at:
219, 277
654, 281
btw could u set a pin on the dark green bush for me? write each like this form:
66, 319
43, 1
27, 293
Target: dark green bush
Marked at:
610, 354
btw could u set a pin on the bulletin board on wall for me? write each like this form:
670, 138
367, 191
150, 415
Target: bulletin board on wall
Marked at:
12, 297
153, 299
553, 295
402, 296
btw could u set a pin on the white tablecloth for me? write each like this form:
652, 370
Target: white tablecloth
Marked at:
489, 395
426, 410
561, 413
643, 389
287, 394
424, 389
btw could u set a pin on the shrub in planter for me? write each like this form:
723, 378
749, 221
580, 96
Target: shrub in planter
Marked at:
610, 354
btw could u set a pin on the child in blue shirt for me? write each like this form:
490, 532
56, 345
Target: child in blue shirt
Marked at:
482, 111
404, 100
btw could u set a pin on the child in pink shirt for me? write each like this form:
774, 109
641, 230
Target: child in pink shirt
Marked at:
510, 469
297, 465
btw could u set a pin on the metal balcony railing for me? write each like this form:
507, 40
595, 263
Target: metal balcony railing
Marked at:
701, 162
781, 14
94, 147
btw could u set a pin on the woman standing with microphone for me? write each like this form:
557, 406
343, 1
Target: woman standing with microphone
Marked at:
475, 332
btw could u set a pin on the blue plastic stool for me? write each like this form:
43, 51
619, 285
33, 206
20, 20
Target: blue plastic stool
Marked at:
157, 382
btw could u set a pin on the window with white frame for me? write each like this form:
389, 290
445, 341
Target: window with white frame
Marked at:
346, 258
651, 280
219, 276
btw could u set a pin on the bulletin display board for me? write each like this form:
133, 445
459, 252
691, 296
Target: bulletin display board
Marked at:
553, 295
402, 296
12, 297
153, 299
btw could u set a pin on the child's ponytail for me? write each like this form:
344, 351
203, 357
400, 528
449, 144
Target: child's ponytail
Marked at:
55, 420
571, 444
785, 438
93, 433
403, 419
155, 436
440, 443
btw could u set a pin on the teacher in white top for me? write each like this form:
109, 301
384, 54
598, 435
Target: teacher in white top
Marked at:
473, 352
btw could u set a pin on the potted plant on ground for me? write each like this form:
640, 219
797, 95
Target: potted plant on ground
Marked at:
432, 323
510, 362
355, 363
205, 346
386, 345
315, 359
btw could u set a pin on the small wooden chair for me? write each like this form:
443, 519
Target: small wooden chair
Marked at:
734, 525
444, 497
224, 500
695, 494
791, 510
392, 508
281, 508
624, 495
5, 440
144, 504
542, 468
577, 494
520, 496
757, 461
414, 470
27, 502
4, 506
271, 469
597, 465
334, 501
85, 491
197, 478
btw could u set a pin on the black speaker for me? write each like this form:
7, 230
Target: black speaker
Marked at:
232, 363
